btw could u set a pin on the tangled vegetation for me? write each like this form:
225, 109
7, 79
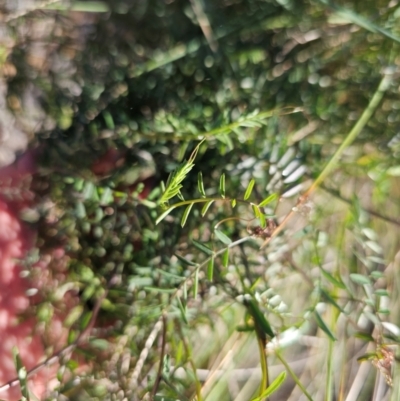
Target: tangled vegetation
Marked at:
223, 177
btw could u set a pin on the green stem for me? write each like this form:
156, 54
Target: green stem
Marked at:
361, 123
294, 376
264, 366
329, 372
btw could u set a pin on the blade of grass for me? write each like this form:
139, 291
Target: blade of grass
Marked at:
359, 20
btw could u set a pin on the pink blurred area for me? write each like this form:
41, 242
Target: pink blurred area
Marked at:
16, 239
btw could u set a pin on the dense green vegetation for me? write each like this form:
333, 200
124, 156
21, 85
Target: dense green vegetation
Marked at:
238, 125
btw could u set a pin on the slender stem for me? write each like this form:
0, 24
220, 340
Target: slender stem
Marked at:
360, 124
294, 376
264, 366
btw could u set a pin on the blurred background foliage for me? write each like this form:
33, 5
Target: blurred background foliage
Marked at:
116, 94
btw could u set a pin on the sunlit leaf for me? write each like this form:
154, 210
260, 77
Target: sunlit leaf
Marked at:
165, 214
263, 221
360, 279
222, 237
364, 336
249, 189
186, 214
275, 385
206, 207
256, 211
200, 184
268, 200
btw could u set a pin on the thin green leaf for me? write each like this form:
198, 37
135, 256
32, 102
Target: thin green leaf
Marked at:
256, 211
360, 279
225, 258
364, 336
206, 207
210, 269
196, 284
170, 275
185, 261
328, 298
263, 221
268, 200
186, 214
233, 203
259, 319
222, 237
165, 214
222, 185
202, 248
272, 387
200, 184
249, 189
182, 309
322, 325
332, 279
